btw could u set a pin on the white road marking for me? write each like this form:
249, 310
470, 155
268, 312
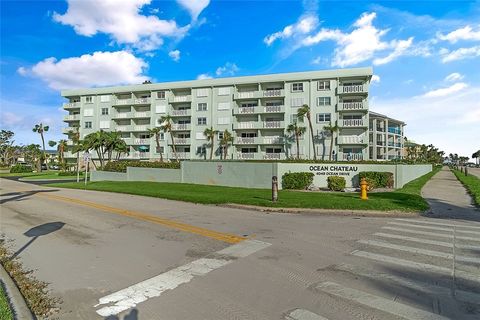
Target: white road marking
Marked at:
465, 296
419, 251
129, 297
441, 235
417, 265
302, 314
378, 303
425, 241
433, 228
454, 223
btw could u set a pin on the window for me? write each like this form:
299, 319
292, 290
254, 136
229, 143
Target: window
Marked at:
160, 94
200, 136
159, 149
104, 111
201, 150
202, 107
323, 101
274, 150
220, 135
202, 92
297, 87
89, 99
324, 85
324, 117
88, 113
224, 91
160, 109
202, 121
297, 102
105, 124
224, 120
223, 106
105, 98
296, 119
88, 124
248, 134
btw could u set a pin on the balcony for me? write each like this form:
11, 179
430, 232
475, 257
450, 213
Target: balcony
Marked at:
380, 129
180, 155
139, 101
69, 143
247, 95
122, 102
381, 143
72, 117
179, 99
352, 123
351, 156
141, 128
143, 114
139, 155
274, 109
274, 156
246, 110
247, 140
273, 93
273, 140
181, 113
122, 115
181, 127
352, 140
352, 89
180, 141
353, 106
138, 141
123, 128
394, 130
71, 105
128, 141
246, 156
246, 125
68, 130
273, 124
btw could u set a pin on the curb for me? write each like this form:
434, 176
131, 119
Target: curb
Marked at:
17, 301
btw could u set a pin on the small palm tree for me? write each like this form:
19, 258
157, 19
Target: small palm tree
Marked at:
297, 132
225, 141
305, 111
62, 145
41, 129
167, 124
210, 134
331, 129
155, 132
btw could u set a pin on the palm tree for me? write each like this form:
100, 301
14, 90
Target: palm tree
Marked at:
305, 111
40, 129
298, 132
331, 129
210, 134
225, 141
155, 132
112, 143
77, 145
62, 145
167, 127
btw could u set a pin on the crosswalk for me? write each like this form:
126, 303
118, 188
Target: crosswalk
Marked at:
410, 269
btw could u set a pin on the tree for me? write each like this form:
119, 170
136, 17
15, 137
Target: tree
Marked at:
113, 143
33, 155
225, 141
155, 132
210, 134
331, 129
41, 129
167, 124
297, 132
6, 144
305, 111
475, 156
62, 145
52, 143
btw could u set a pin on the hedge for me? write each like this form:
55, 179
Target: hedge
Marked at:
121, 166
68, 173
336, 183
380, 179
297, 180
19, 168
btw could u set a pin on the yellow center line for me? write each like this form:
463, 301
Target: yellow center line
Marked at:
221, 236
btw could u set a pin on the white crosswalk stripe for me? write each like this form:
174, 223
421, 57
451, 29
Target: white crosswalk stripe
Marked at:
426, 241
302, 314
433, 228
453, 223
434, 234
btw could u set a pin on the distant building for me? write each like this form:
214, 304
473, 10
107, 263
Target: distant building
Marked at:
255, 109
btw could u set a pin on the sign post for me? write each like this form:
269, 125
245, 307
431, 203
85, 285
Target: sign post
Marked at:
86, 159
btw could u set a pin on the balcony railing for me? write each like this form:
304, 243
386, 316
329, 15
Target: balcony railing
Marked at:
181, 113
272, 124
352, 106
352, 156
181, 126
274, 109
180, 155
245, 125
72, 117
142, 101
273, 140
70, 105
247, 110
273, 93
394, 130
69, 143
246, 95
68, 129
181, 141
122, 115
273, 156
357, 88
176, 99
247, 140
123, 102
353, 122
246, 156
124, 128
142, 114
139, 155
141, 141
351, 140
141, 128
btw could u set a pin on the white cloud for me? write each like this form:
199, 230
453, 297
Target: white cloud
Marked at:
304, 25
400, 47
89, 70
195, 7
175, 55
446, 121
459, 54
465, 33
375, 79
454, 88
123, 22
22, 71
452, 77
204, 76
228, 69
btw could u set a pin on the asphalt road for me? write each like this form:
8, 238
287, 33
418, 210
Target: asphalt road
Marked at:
112, 256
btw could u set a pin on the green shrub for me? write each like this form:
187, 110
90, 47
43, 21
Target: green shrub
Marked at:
297, 180
381, 179
68, 173
20, 168
371, 184
336, 183
121, 166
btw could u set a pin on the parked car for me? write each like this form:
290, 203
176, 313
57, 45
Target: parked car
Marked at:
44, 166
54, 167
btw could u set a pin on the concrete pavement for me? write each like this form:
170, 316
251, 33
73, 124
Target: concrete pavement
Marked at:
291, 267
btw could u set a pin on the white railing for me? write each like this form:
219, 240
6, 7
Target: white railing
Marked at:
181, 98
122, 128
180, 112
352, 156
353, 122
181, 140
352, 105
246, 156
72, 105
140, 128
352, 88
246, 125
272, 156
273, 140
246, 140
246, 95
68, 129
139, 155
69, 143
272, 124
181, 155
122, 115
72, 117
123, 101
351, 139
181, 126
142, 101
272, 93
246, 110
143, 114
142, 141
272, 109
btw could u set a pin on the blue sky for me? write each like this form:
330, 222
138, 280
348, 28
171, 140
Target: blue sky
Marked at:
425, 54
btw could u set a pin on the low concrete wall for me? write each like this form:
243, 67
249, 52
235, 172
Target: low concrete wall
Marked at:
107, 176
407, 173
154, 174
230, 174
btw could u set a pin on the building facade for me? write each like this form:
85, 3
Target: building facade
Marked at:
255, 109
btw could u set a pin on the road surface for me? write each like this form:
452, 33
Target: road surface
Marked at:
113, 256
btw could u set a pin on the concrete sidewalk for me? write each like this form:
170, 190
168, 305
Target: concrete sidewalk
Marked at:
448, 199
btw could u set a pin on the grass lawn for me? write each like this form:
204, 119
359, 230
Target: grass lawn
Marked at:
471, 183
26, 174
5, 311
38, 175
407, 199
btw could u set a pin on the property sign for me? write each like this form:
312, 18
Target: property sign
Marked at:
86, 156
333, 170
